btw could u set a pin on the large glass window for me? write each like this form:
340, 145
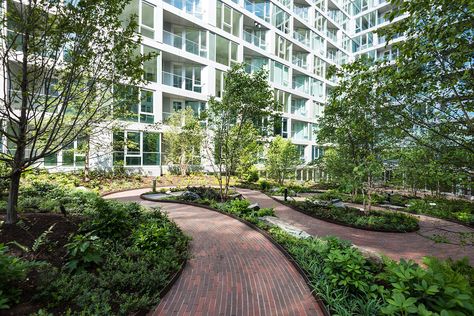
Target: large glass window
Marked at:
281, 19
134, 148
279, 74
282, 47
147, 27
151, 66
226, 51
228, 19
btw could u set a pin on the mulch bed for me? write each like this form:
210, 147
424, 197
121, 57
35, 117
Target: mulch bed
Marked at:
25, 232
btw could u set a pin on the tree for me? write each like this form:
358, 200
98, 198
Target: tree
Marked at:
358, 126
183, 139
245, 113
281, 160
431, 82
60, 60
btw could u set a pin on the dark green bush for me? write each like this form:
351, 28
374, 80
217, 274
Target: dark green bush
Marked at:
124, 270
13, 271
380, 220
113, 219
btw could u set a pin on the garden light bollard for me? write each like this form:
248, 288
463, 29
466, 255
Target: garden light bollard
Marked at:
154, 185
286, 194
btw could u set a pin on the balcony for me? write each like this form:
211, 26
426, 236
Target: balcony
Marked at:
255, 40
181, 82
184, 44
301, 12
302, 38
192, 7
300, 60
260, 9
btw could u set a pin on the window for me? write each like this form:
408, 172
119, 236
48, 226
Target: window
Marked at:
301, 149
228, 19
73, 155
317, 88
318, 109
282, 47
281, 127
283, 98
226, 51
317, 152
151, 66
219, 83
298, 107
319, 67
133, 104
279, 74
281, 19
134, 148
147, 26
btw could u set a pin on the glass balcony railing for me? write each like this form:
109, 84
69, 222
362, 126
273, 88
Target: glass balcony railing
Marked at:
182, 43
332, 34
188, 6
299, 61
260, 9
181, 82
254, 40
302, 38
302, 12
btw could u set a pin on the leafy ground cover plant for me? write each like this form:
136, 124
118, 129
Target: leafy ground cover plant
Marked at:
379, 220
459, 210
116, 261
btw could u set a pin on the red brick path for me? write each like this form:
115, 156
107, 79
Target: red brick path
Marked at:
395, 245
234, 270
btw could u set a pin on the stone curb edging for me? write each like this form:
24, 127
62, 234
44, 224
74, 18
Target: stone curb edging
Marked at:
264, 233
343, 224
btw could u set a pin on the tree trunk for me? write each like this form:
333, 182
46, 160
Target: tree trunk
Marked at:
87, 160
13, 198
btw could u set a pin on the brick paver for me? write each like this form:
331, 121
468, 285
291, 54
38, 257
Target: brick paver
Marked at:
395, 245
234, 270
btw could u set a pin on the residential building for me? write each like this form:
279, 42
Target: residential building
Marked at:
197, 42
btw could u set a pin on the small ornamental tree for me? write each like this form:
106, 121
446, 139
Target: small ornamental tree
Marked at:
183, 139
281, 160
245, 113
358, 125
60, 60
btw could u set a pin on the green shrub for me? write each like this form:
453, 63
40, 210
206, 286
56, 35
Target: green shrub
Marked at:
84, 251
347, 267
330, 195
113, 220
251, 176
443, 208
264, 185
13, 271
414, 290
136, 255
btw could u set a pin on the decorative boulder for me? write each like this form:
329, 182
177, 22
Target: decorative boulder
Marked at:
254, 207
236, 196
190, 196
338, 203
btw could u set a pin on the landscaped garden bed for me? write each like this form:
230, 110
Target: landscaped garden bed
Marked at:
351, 284
457, 210
98, 258
385, 221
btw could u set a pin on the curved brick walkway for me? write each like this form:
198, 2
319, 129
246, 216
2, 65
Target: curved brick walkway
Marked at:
395, 245
234, 270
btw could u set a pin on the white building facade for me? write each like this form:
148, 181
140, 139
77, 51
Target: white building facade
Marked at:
197, 42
